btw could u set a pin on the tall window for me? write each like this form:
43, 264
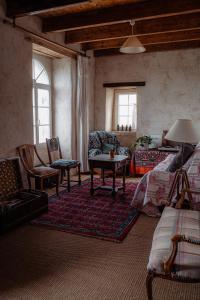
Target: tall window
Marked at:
41, 103
126, 108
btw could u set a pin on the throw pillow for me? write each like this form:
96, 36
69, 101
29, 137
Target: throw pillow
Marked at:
107, 148
178, 160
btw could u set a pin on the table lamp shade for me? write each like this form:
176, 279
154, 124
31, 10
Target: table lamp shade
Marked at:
183, 131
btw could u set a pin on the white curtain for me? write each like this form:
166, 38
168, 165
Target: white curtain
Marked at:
80, 110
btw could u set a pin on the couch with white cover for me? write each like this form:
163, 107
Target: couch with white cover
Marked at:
154, 187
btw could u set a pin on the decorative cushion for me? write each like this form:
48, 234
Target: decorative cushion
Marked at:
177, 221
107, 148
108, 138
62, 163
178, 160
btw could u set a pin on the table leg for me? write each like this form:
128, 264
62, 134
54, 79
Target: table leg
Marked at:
103, 176
113, 187
124, 178
92, 181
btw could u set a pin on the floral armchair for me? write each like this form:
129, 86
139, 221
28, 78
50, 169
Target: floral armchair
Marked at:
102, 142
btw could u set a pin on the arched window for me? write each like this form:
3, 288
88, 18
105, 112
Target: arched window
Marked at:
41, 103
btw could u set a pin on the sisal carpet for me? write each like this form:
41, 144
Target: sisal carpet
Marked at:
98, 216
40, 264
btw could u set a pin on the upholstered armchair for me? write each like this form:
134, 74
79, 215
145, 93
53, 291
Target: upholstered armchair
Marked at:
103, 142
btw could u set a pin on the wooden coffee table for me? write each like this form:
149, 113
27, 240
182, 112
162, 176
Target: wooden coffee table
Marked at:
104, 162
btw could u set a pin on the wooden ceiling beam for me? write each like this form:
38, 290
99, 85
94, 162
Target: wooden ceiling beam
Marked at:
166, 37
137, 11
18, 8
167, 24
153, 48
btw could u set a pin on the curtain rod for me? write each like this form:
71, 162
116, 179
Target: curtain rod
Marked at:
34, 34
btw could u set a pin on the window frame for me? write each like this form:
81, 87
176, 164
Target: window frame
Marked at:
118, 92
37, 86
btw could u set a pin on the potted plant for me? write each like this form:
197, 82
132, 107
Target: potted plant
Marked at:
143, 142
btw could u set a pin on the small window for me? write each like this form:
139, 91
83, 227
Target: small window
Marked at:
125, 112
41, 103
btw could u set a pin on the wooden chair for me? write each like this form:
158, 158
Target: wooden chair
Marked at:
26, 153
57, 162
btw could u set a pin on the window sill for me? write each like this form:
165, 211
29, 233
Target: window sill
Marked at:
133, 132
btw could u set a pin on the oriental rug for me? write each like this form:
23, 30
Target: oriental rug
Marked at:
99, 216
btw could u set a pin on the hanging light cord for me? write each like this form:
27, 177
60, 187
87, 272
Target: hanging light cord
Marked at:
132, 23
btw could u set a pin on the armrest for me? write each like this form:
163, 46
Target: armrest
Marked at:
176, 240
94, 152
123, 150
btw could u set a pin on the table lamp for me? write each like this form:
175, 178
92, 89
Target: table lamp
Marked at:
182, 131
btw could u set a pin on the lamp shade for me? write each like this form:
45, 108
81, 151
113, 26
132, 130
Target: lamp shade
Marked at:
132, 45
182, 131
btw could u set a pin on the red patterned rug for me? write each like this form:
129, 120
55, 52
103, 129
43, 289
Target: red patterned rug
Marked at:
98, 216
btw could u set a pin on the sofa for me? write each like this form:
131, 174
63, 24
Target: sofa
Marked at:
175, 251
101, 142
17, 205
154, 187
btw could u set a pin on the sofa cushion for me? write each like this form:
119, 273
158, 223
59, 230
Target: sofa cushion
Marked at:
173, 222
107, 148
44, 171
181, 158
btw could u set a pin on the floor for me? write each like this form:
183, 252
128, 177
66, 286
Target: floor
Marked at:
38, 263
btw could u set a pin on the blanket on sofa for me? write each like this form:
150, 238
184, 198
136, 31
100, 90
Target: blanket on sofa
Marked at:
153, 188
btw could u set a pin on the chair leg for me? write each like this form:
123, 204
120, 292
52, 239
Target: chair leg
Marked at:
149, 280
61, 175
68, 180
41, 184
29, 182
79, 174
57, 185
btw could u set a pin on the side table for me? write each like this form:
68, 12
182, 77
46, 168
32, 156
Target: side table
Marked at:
104, 162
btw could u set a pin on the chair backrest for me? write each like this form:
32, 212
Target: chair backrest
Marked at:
54, 150
26, 153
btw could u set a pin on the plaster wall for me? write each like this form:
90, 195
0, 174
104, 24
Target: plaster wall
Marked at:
16, 83
15, 90
171, 91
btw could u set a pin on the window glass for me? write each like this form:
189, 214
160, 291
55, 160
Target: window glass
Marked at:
126, 108
44, 132
43, 78
43, 97
41, 103
43, 116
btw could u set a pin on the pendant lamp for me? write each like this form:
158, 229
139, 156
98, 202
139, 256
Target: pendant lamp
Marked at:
132, 45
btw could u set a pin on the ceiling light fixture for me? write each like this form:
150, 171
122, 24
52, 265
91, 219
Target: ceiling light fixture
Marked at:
132, 45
